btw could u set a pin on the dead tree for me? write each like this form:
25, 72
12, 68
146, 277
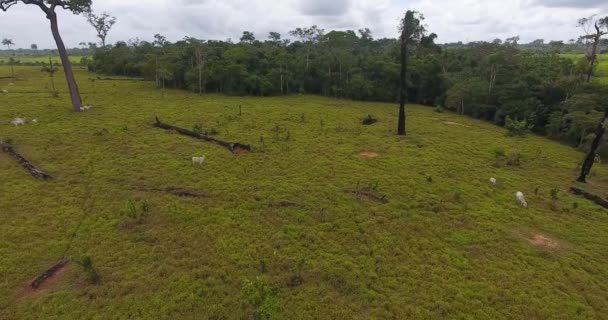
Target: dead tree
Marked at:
48, 8
234, 147
411, 31
590, 159
35, 172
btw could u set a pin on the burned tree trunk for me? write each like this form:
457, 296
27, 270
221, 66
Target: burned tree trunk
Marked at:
35, 172
591, 197
402, 86
590, 159
234, 147
48, 274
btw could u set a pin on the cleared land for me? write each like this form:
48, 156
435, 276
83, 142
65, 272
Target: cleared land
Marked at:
297, 229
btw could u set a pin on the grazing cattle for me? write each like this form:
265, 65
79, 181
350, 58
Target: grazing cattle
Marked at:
3, 91
493, 181
85, 108
521, 199
18, 122
198, 160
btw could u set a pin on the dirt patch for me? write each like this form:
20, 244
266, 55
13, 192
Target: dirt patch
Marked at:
451, 123
539, 240
542, 241
46, 282
368, 154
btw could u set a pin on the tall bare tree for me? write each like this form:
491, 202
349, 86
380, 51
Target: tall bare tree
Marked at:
48, 7
102, 23
411, 31
593, 34
200, 58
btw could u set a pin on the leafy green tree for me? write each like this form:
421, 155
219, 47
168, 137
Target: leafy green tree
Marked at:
8, 43
49, 7
102, 24
247, 37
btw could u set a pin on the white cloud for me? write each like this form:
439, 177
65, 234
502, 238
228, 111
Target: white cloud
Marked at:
465, 20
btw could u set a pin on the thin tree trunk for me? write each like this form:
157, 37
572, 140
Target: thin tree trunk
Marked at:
67, 65
590, 159
403, 88
281, 72
596, 40
200, 80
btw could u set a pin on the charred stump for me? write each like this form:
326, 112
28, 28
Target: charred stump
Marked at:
35, 172
591, 197
234, 147
369, 120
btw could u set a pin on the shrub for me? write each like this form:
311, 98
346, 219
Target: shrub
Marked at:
517, 128
262, 296
197, 128
554, 193
439, 109
499, 153
138, 215
87, 266
514, 159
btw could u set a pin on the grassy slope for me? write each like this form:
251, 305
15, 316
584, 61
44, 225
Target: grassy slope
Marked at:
454, 247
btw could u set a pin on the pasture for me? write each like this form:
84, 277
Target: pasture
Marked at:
325, 218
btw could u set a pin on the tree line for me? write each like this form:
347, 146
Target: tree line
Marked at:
494, 81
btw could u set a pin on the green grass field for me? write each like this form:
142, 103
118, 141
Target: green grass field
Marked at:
279, 232
73, 59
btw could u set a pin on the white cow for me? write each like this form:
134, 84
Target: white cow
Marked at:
3, 91
85, 108
198, 160
521, 199
493, 181
18, 122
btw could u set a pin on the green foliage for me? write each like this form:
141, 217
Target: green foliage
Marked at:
499, 153
137, 212
517, 128
89, 269
262, 296
514, 159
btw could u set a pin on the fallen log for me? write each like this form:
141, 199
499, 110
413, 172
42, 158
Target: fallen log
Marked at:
234, 147
183, 193
591, 197
35, 172
48, 274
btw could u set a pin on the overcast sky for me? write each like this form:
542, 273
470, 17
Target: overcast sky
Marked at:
452, 20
